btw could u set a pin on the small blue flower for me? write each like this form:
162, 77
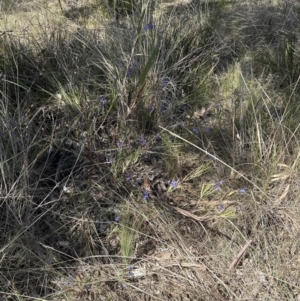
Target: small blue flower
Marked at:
69, 280
217, 185
87, 287
243, 190
129, 72
117, 219
109, 160
207, 130
173, 184
150, 108
146, 195
130, 272
195, 130
133, 71
142, 140
165, 81
164, 107
149, 26
103, 101
119, 144
220, 207
278, 116
127, 176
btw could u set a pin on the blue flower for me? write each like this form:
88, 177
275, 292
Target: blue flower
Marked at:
127, 176
69, 280
207, 130
103, 101
149, 26
142, 140
146, 195
264, 108
217, 185
243, 190
173, 184
150, 108
129, 72
220, 207
130, 273
195, 130
119, 144
117, 219
109, 160
165, 81
133, 69
164, 107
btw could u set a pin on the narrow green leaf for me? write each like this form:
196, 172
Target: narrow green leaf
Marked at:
148, 67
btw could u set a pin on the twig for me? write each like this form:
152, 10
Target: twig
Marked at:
238, 256
193, 216
62, 11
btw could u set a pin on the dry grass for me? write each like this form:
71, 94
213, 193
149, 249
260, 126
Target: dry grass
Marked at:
149, 155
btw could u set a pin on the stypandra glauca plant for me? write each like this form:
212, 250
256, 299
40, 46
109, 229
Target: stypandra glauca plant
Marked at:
142, 58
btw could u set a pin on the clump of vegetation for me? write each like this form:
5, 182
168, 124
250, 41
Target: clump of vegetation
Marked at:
149, 150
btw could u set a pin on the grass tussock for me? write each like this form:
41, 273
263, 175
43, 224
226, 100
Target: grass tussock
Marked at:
149, 150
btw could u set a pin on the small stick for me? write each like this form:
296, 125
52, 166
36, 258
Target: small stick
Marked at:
237, 258
62, 11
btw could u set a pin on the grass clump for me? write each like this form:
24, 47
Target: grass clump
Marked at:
149, 150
